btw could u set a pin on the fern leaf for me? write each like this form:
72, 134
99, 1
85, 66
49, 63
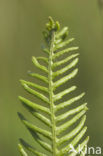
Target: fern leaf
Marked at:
65, 127
22, 152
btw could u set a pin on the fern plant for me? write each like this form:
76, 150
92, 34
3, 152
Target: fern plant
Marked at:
64, 121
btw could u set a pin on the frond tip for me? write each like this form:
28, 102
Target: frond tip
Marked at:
66, 127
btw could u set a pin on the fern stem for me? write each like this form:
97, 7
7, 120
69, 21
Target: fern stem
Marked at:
51, 93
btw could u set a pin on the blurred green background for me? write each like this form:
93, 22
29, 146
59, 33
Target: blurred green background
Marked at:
21, 25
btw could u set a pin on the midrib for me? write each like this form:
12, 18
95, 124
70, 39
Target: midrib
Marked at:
51, 94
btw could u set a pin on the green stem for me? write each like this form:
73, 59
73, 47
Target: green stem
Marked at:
51, 94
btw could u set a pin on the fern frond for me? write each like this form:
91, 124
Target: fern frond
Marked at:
65, 126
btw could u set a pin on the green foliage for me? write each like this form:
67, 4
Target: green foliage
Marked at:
56, 115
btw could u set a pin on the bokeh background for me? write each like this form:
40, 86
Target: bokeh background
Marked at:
21, 25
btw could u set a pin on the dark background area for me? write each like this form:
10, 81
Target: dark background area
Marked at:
21, 25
